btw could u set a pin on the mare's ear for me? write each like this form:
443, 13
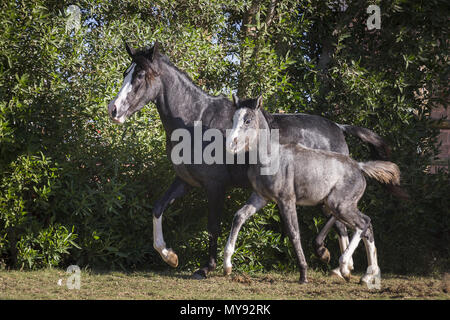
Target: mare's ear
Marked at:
156, 53
235, 101
259, 102
130, 50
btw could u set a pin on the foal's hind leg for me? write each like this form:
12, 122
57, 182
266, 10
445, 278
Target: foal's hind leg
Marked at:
355, 219
289, 212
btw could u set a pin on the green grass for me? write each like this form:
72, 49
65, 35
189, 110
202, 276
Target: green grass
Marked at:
173, 284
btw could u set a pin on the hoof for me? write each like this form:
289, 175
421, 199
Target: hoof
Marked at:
336, 273
372, 279
199, 275
347, 277
345, 271
226, 271
172, 258
323, 254
303, 281
325, 257
364, 280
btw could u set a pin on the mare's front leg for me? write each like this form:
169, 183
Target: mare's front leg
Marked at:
177, 189
253, 204
216, 199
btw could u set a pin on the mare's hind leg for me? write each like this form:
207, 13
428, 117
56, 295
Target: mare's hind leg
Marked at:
289, 212
253, 204
216, 199
177, 189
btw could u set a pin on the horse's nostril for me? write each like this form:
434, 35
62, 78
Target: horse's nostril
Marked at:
114, 111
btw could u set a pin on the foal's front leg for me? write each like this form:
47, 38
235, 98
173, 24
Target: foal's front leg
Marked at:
289, 212
177, 189
253, 204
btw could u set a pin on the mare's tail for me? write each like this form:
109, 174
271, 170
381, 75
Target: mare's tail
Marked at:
379, 149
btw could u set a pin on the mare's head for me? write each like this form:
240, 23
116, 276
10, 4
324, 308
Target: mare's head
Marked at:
246, 124
141, 83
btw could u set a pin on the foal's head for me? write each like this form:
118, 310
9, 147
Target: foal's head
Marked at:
141, 83
246, 124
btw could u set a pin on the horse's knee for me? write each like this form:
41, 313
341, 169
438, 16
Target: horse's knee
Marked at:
158, 209
340, 228
241, 215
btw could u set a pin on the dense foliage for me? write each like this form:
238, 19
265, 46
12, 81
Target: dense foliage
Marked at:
74, 188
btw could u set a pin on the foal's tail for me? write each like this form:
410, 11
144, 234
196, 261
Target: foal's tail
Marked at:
379, 149
383, 171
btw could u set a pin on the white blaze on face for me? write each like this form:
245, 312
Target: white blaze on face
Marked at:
234, 142
121, 98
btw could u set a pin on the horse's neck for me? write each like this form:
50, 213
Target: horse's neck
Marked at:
180, 102
268, 140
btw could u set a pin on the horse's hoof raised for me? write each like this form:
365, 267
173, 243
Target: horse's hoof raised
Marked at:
325, 257
323, 254
172, 258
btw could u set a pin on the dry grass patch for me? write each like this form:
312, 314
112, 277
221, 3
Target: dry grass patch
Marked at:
43, 284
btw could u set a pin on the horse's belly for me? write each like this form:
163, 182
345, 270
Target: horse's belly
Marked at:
308, 202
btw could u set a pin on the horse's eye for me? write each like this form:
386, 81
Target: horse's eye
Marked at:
247, 121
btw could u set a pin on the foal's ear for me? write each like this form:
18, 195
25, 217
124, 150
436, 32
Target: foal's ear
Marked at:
130, 50
259, 102
235, 101
156, 53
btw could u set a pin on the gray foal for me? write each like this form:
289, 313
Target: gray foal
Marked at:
306, 177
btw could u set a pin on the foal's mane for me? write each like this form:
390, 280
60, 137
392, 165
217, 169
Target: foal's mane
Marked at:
270, 119
253, 104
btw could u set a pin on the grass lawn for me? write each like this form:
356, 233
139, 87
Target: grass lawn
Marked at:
52, 284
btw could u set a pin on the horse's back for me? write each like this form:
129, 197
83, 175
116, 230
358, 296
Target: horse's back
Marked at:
311, 131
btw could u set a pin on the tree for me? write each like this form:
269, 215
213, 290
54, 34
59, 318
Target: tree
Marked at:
76, 188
